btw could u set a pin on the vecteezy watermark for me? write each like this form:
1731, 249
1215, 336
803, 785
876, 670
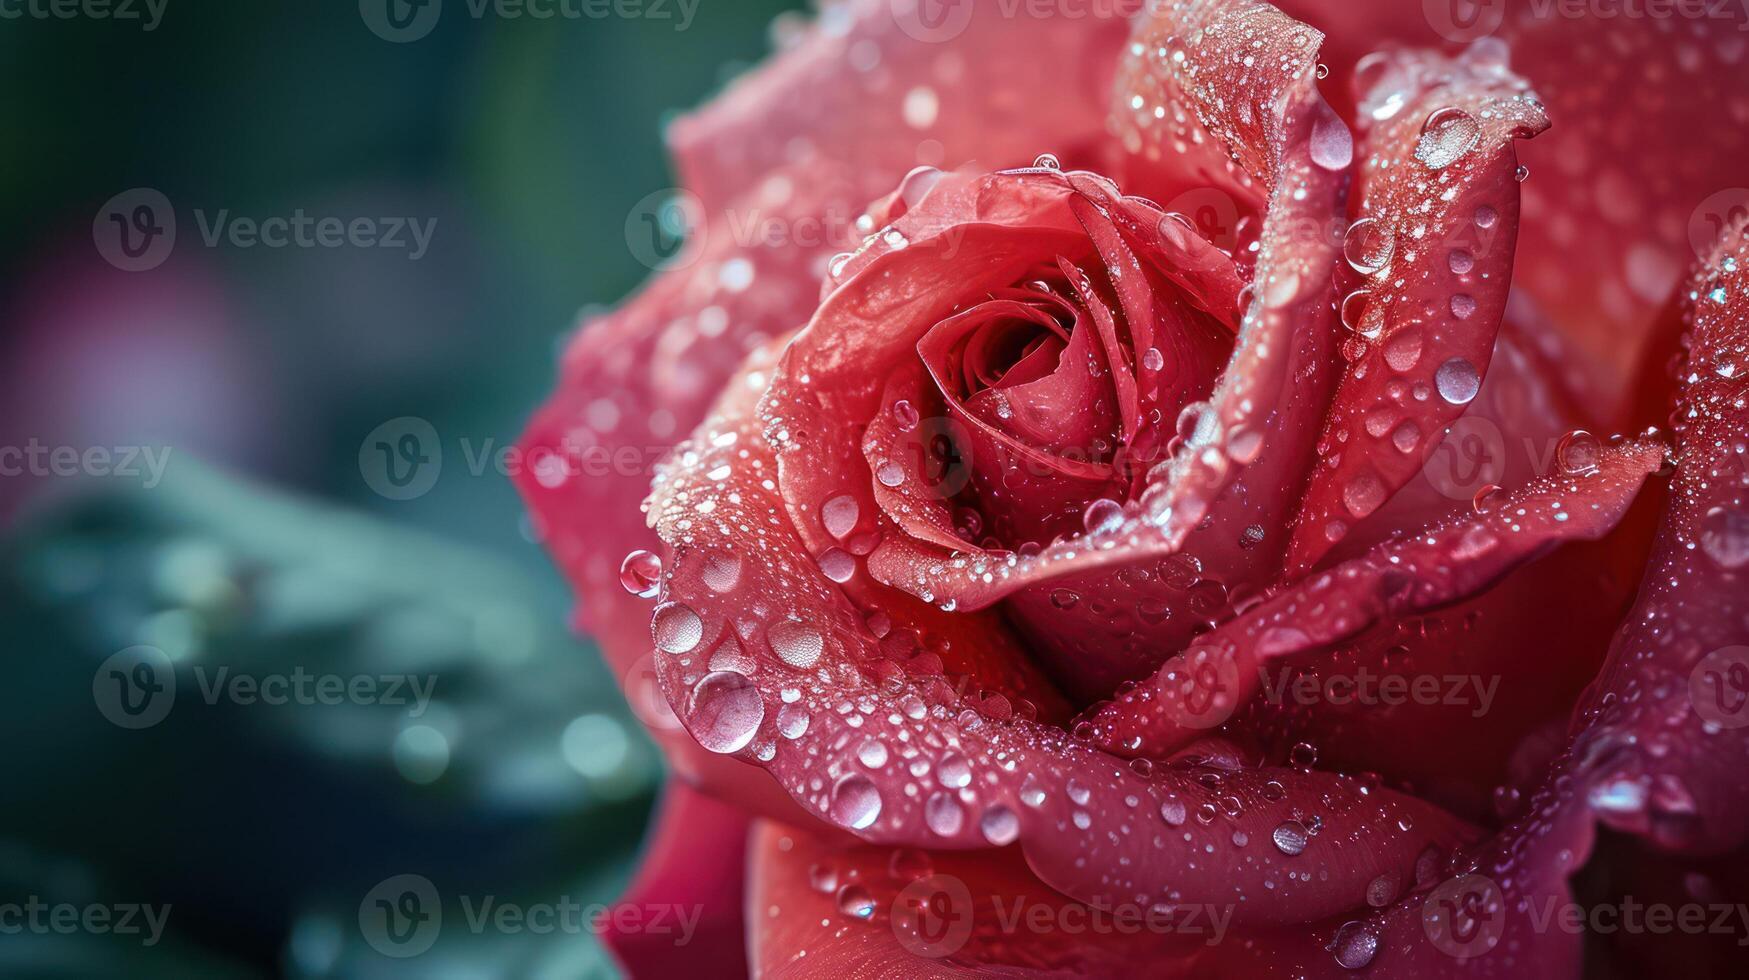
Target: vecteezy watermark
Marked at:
135, 231
1720, 210
1466, 917
404, 21
1718, 688
147, 13
402, 459
1366, 688
42, 918
935, 916
1466, 20
668, 229
136, 688
36, 458
403, 916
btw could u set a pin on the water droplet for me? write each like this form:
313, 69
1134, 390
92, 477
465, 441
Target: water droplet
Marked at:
838, 565
1102, 516
839, 515
872, 753
1403, 349
1382, 891
1446, 136
792, 721
909, 864
1304, 755
796, 644
1579, 453
1290, 838
641, 574
726, 711
1463, 306
1354, 308
1363, 494
1064, 599
676, 628
1048, 161
856, 802
1521, 174
905, 415
1000, 825
1031, 792
1367, 245
1483, 501
855, 901
1355, 945
954, 771
1152, 359
1486, 216
1460, 262
943, 814
1079, 794
1724, 536
1172, 811
1457, 381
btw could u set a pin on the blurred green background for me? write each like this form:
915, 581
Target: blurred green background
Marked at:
262, 549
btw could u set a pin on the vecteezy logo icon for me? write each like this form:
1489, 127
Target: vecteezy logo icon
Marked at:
401, 458
665, 229
932, 21
932, 916
1718, 687
1200, 687
135, 230
1471, 456
401, 916
1721, 210
1464, 21
400, 21
135, 688
1207, 211
1465, 916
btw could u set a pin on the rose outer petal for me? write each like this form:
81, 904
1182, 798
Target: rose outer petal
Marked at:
1433, 241
693, 871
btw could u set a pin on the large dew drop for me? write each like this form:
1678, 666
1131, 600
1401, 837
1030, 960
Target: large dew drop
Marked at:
676, 628
1000, 825
1367, 245
856, 802
1446, 136
1457, 381
726, 711
796, 644
1724, 536
1290, 838
641, 574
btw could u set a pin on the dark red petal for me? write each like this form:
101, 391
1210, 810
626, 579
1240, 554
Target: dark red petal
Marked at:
693, 869
1432, 240
765, 659
1460, 557
1664, 740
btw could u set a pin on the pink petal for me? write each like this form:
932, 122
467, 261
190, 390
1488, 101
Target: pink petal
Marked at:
1432, 242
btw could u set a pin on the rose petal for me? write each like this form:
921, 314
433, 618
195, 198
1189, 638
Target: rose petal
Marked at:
1433, 241
882, 86
821, 910
694, 866
1460, 557
896, 753
1644, 166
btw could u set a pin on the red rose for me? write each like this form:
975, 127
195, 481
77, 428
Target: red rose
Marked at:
1064, 582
